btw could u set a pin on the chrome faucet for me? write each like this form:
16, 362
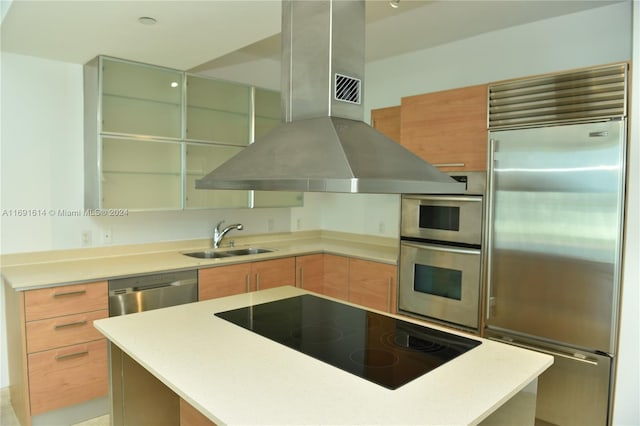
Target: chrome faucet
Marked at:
218, 235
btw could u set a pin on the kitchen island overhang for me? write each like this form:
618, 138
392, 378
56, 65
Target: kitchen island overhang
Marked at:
234, 376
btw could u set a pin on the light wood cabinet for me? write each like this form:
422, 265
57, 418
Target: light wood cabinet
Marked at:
387, 121
224, 281
63, 330
336, 276
447, 129
324, 273
56, 357
274, 273
366, 283
310, 272
244, 277
66, 376
373, 284
189, 416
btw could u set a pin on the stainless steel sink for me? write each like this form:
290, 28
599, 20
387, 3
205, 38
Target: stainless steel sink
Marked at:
208, 254
246, 251
215, 254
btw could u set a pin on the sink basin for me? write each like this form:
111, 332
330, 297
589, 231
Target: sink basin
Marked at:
246, 251
214, 254
208, 254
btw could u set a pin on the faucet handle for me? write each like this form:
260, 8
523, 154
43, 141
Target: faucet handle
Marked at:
217, 228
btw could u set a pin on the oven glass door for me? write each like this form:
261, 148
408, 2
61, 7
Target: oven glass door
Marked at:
441, 282
443, 218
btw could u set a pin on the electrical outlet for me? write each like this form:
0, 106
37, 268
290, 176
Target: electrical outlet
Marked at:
298, 223
107, 236
85, 238
381, 227
270, 225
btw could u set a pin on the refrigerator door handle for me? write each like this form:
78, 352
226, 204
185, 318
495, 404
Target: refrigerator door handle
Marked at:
572, 356
488, 225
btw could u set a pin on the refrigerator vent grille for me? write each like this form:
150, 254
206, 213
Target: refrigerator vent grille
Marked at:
576, 96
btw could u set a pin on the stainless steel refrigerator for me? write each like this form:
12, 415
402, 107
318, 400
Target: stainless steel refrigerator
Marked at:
555, 237
554, 226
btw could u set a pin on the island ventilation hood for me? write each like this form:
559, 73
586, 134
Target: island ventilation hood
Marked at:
323, 145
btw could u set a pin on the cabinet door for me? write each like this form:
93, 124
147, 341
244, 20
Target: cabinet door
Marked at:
141, 99
68, 375
223, 281
200, 160
141, 174
310, 272
336, 276
274, 273
447, 129
387, 121
218, 111
372, 284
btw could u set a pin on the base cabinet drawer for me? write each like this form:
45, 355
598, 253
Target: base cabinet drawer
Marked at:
65, 300
63, 331
66, 376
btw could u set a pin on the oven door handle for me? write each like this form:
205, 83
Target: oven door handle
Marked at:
447, 249
446, 198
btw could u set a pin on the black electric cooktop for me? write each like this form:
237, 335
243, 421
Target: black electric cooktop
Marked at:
378, 348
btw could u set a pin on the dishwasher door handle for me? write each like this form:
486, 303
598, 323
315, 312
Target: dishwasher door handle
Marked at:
138, 294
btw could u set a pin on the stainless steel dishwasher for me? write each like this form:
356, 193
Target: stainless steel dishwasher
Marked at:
134, 392
147, 292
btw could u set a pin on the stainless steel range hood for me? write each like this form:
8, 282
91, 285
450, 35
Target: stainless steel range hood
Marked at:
324, 146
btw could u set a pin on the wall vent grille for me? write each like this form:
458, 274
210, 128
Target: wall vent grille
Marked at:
347, 89
591, 94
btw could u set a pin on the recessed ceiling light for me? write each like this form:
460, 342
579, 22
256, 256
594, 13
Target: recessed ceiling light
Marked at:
394, 4
174, 84
147, 20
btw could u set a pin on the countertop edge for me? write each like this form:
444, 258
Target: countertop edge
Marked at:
168, 257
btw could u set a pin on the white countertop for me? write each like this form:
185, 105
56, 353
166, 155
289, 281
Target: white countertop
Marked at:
47, 269
234, 376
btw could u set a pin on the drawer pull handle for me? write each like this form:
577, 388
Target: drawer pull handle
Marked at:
72, 355
448, 165
70, 293
70, 324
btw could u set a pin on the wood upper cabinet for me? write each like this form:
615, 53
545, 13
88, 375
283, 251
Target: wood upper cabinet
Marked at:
373, 284
325, 274
387, 121
244, 277
447, 129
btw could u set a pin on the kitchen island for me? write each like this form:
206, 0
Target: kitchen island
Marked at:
234, 376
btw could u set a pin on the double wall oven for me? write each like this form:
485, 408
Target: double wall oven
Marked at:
441, 254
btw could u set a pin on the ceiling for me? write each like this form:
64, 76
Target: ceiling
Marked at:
201, 34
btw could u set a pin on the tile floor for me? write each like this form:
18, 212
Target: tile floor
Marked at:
8, 417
